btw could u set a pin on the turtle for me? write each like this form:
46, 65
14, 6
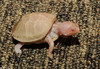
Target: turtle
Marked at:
41, 27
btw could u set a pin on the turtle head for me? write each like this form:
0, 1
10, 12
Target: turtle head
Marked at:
68, 28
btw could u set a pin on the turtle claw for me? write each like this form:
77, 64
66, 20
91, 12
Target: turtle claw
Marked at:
50, 55
18, 51
17, 48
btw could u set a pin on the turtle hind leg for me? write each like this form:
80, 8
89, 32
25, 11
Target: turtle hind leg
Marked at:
18, 46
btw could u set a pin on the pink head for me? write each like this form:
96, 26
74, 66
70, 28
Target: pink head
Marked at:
68, 28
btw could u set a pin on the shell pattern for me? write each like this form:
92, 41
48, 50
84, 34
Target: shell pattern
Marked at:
33, 27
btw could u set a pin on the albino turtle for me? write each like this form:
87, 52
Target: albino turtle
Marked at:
41, 27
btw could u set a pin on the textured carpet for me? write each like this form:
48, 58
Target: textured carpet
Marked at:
81, 51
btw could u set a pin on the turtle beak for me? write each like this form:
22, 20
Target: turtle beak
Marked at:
77, 27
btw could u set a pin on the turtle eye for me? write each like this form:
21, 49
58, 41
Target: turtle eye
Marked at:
72, 30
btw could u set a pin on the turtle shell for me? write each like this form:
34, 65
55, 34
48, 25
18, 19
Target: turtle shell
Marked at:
33, 27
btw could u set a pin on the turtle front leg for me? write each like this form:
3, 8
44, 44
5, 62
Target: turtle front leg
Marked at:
49, 40
18, 46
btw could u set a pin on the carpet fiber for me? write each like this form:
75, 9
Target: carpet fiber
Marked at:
76, 52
